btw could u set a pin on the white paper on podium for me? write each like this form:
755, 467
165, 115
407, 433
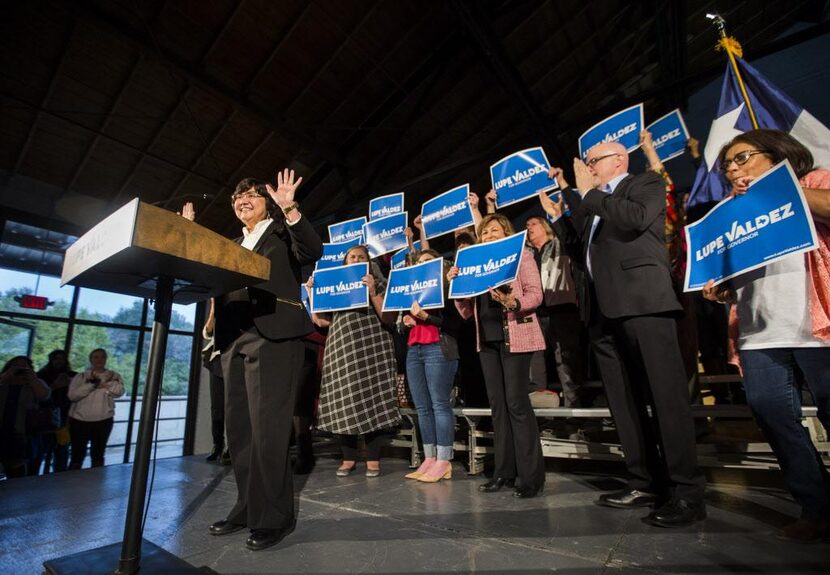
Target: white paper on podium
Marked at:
110, 236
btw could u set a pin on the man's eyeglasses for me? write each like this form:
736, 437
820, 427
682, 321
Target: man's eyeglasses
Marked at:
740, 158
593, 161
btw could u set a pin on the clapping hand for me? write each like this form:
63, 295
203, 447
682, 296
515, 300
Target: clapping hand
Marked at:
553, 209
585, 179
188, 212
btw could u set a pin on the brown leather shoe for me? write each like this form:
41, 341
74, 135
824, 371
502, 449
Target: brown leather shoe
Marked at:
805, 530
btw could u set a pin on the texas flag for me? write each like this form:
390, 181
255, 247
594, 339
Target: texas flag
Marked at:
773, 109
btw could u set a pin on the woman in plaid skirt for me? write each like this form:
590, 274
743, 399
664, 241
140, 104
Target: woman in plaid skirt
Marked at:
357, 392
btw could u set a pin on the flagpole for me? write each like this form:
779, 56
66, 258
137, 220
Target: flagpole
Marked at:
732, 49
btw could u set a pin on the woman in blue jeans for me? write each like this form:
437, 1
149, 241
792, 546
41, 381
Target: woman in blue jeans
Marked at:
431, 362
783, 325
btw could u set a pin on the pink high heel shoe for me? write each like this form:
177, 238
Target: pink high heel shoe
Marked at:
441, 470
422, 469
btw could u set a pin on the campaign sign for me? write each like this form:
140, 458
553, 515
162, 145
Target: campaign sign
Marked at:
385, 235
423, 283
623, 127
333, 254
669, 135
746, 232
399, 258
520, 176
385, 206
485, 266
340, 288
304, 297
346, 231
447, 212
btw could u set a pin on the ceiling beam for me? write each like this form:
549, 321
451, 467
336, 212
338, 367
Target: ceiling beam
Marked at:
56, 73
506, 73
114, 106
198, 76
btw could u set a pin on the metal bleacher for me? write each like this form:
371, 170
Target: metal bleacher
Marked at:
749, 454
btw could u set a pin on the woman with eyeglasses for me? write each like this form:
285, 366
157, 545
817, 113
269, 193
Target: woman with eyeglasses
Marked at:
357, 391
783, 323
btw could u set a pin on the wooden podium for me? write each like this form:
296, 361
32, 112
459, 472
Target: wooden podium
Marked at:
145, 251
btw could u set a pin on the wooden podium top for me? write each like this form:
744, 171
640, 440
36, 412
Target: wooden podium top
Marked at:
129, 249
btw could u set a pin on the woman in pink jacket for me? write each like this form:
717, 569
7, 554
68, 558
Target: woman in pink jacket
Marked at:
508, 333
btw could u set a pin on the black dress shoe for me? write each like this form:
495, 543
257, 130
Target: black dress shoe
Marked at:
226, 458
627, 499
263, 538
496, 484
224, 527
677, 513
215, 454
525, 492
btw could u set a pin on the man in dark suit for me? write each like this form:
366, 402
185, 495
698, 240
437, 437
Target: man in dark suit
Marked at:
259, 333
627, 300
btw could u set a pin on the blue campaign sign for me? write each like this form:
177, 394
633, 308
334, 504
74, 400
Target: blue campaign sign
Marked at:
746, 232
423, 283
520, 176
348, 230
385, 206
447, 212
304, 297
669, 135
623, 127
340, 288
399, 258
385, 235
335, 253
485, 266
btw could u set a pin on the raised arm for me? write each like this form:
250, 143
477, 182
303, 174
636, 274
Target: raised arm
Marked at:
305, 242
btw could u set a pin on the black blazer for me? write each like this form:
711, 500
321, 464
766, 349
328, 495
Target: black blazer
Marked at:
629, 259
273, 307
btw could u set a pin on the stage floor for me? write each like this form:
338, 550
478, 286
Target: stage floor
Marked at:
391, 525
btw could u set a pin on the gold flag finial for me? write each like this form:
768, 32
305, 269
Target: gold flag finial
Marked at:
731, 46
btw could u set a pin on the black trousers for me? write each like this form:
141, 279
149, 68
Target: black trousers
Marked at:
562, 328
217, 403
516, 434
374, 441
83, 432
260, 383
640, 364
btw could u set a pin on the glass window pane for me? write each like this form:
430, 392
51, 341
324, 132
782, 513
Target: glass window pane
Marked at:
121, 346
15, 283
109, 307
45, 336
181, 319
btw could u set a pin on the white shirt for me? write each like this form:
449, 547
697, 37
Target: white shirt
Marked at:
608, 189
252, 237
93, 402
773, 306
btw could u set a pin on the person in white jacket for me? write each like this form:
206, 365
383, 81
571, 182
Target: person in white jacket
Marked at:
92, 393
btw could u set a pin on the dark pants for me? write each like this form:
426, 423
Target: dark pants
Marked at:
260, 382
773, 394
640, 364
306, 398
562, 328
217, 403
374, 442
55, 455
516, 434
94, 432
